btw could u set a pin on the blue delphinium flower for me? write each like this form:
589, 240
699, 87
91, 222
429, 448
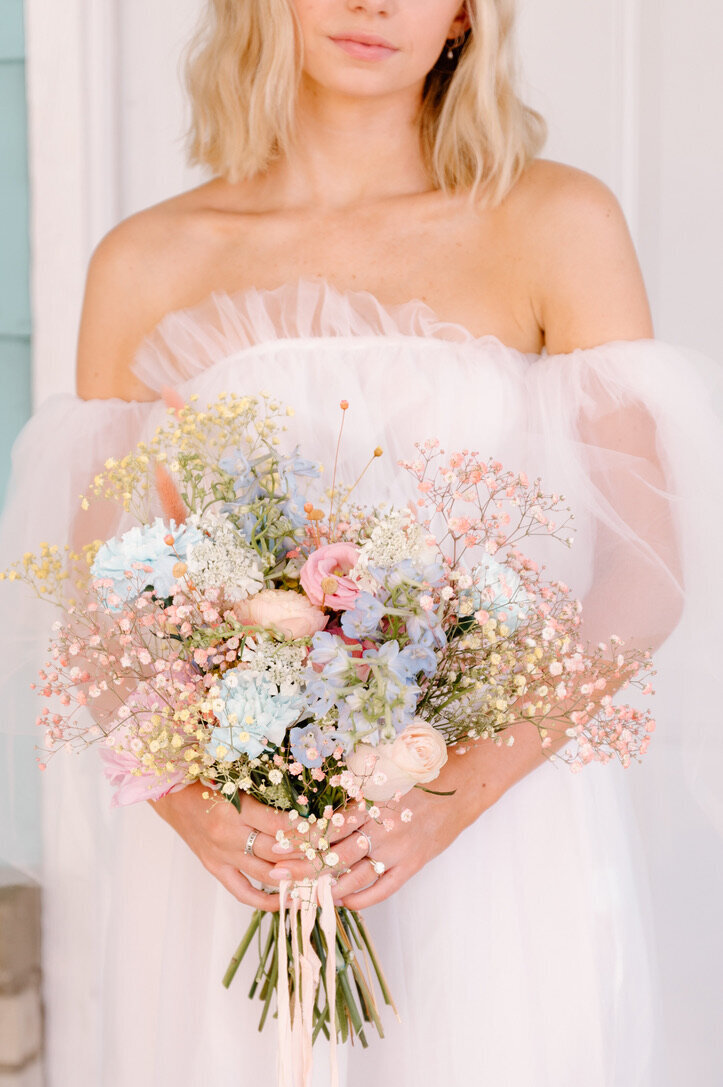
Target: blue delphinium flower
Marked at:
290, 469
364, 618
270, 474
424, 628
322, 689
144, 544
492, 576
310, 746
410, 571
252, 716
418, 658
391, 676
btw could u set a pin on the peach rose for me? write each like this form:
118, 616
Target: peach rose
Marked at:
323, 576
288, 611
414, 758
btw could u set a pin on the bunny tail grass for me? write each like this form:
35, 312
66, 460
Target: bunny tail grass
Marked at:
173, 506
171, 398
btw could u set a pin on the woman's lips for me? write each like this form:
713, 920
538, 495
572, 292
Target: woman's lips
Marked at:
363, 50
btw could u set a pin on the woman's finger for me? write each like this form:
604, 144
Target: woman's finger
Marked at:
353, 820
237, 884
356, 879
288, 868
382, 888
351, 850
263, 818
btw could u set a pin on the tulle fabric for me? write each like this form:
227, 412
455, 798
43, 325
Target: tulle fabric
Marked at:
568, 936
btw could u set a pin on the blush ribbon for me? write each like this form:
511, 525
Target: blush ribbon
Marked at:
295, 1057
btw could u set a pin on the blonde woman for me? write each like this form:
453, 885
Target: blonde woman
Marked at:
379, 227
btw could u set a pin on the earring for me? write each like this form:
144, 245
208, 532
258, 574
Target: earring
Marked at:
455, 45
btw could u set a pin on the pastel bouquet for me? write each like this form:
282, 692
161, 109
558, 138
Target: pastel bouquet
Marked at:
258, 634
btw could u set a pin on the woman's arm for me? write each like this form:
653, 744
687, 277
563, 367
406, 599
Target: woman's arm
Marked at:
587, 289
123, 302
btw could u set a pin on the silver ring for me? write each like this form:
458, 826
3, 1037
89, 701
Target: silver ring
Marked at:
249, 847
363, 834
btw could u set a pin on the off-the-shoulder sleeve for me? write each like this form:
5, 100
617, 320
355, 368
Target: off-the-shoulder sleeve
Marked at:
54, 460
632, 434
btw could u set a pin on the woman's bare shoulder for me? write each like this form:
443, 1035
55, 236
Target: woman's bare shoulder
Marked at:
584, 271
144, 267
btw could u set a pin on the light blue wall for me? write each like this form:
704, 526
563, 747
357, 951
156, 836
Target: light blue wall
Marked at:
14, 244
19, 776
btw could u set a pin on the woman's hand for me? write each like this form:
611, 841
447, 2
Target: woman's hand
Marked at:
479, 777
420, 826
218, 834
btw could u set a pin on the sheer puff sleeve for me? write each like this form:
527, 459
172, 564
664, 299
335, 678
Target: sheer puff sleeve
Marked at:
632, 432
54, 460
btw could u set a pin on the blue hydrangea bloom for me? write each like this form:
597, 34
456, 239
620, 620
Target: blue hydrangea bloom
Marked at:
307, 739
489, 574
145, 544
254, 715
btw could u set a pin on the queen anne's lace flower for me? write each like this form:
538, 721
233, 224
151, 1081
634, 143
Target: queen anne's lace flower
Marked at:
396, 537
222, 558
278, 662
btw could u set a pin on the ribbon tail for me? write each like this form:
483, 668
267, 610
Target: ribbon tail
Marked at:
285, 1054
328, 927
310, 967
296, 1024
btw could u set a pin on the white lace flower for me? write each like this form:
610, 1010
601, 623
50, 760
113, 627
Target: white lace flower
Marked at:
224, 559
281, 663
396, 537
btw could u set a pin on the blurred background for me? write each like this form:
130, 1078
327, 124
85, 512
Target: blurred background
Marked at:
91, 122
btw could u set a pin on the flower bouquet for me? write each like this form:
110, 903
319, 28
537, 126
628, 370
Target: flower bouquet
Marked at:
269, 639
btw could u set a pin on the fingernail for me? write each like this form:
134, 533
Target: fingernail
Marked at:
280, 873
277, 847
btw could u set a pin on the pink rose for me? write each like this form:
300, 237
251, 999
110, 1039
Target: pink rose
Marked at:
288, 611
415, 757
323, 576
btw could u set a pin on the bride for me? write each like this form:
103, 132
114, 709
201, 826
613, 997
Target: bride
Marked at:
379, 227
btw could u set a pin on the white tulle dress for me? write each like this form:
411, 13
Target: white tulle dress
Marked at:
568, 938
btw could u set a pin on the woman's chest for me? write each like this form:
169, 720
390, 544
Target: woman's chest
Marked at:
467, 270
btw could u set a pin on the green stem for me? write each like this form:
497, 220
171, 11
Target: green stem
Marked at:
242, 948
361, 927
272, 978
262, 961
350, 1003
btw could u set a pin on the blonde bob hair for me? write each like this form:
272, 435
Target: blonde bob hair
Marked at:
243, 70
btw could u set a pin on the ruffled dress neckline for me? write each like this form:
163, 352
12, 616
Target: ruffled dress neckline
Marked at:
309, 310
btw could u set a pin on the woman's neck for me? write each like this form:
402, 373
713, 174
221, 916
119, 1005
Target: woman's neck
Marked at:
349, 151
